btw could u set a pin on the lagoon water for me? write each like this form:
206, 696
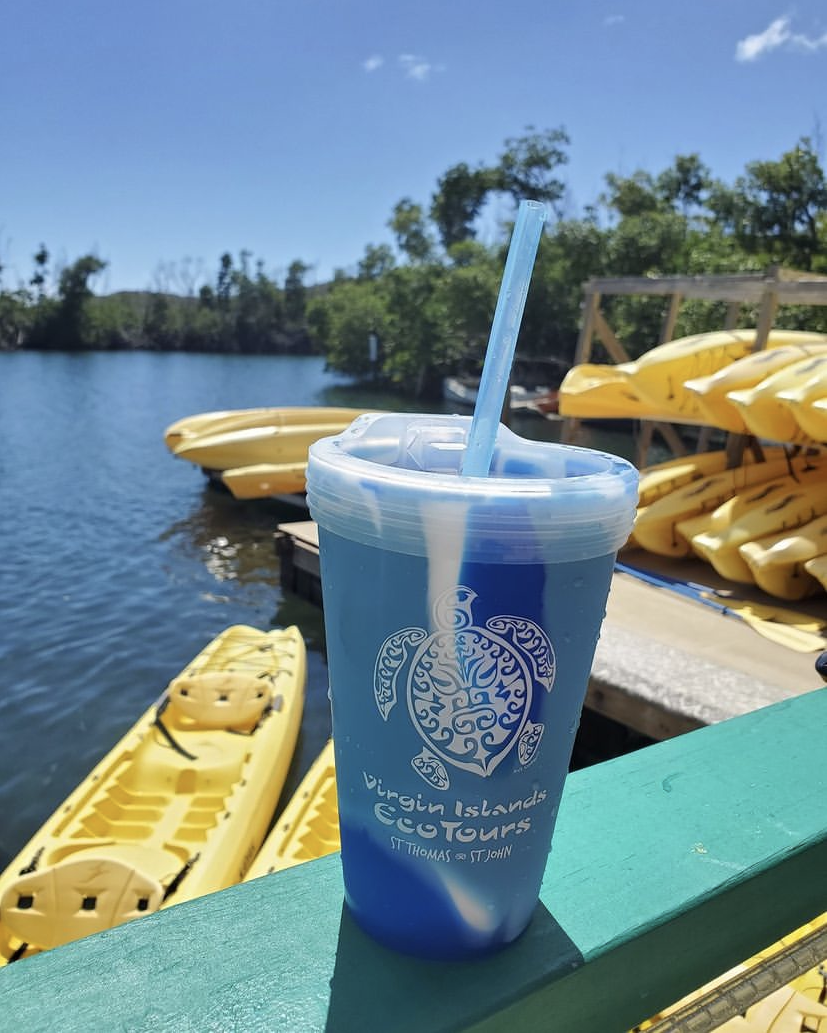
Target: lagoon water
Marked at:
120, 562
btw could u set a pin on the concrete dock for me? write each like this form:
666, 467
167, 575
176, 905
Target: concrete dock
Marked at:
665, 663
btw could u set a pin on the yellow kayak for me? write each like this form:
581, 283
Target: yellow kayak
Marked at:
808, 404
812, 418
817, 568
590, 391
657, 527
658, 481
659, 376
238, 419
711, 391
201, 423
763, 407
177, 809
308, 826
249, 446
776, 562
264, 479
785, 503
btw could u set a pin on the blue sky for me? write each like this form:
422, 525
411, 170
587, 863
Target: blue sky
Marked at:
155, 132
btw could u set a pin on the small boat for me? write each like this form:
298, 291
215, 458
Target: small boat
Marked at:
532, 399
177, 809
764, 408
265, 479
711, 391
308, 826
238, 419
460, 390
464, 390
777, 562
547, 404
658, 526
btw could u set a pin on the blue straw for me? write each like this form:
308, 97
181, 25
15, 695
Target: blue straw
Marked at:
502, 342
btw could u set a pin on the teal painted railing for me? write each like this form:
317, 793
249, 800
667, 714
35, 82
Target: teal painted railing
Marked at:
669, 866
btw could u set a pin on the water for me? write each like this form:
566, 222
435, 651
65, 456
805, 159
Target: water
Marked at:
120, 562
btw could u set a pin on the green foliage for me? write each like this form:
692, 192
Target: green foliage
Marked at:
685, 183
571, 253
430, 301
341, 321
375, 262
409, 228
631, 196
466, 295
416, 341
457, 202
66, 323
529, 166
777, 209
15, 319
295, 294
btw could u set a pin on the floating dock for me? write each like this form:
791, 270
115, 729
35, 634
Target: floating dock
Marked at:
665, 663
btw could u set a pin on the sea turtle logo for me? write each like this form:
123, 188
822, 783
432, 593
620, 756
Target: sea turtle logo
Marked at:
469, 688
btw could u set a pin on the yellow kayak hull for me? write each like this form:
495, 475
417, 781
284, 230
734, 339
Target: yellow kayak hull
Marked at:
718, 410
659, 376
817, 568
264, 479
657, 528
674, 381
764, 408
591, 391
808, 405
253, 445
176, 809
226, 420
659, 480
776, 561
308, 827
782, 504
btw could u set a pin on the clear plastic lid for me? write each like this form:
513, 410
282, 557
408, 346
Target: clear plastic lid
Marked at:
389, 479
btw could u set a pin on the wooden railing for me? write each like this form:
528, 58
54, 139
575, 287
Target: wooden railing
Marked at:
669, 866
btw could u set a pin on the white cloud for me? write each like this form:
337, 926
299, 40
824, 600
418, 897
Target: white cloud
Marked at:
373, 62
809, 42
777, 34
752, 47
614, 19
415, 67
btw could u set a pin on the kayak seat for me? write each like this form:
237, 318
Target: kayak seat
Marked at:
81, 895
220, 699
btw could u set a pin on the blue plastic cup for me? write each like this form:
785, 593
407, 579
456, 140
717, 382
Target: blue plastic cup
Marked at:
461, 615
